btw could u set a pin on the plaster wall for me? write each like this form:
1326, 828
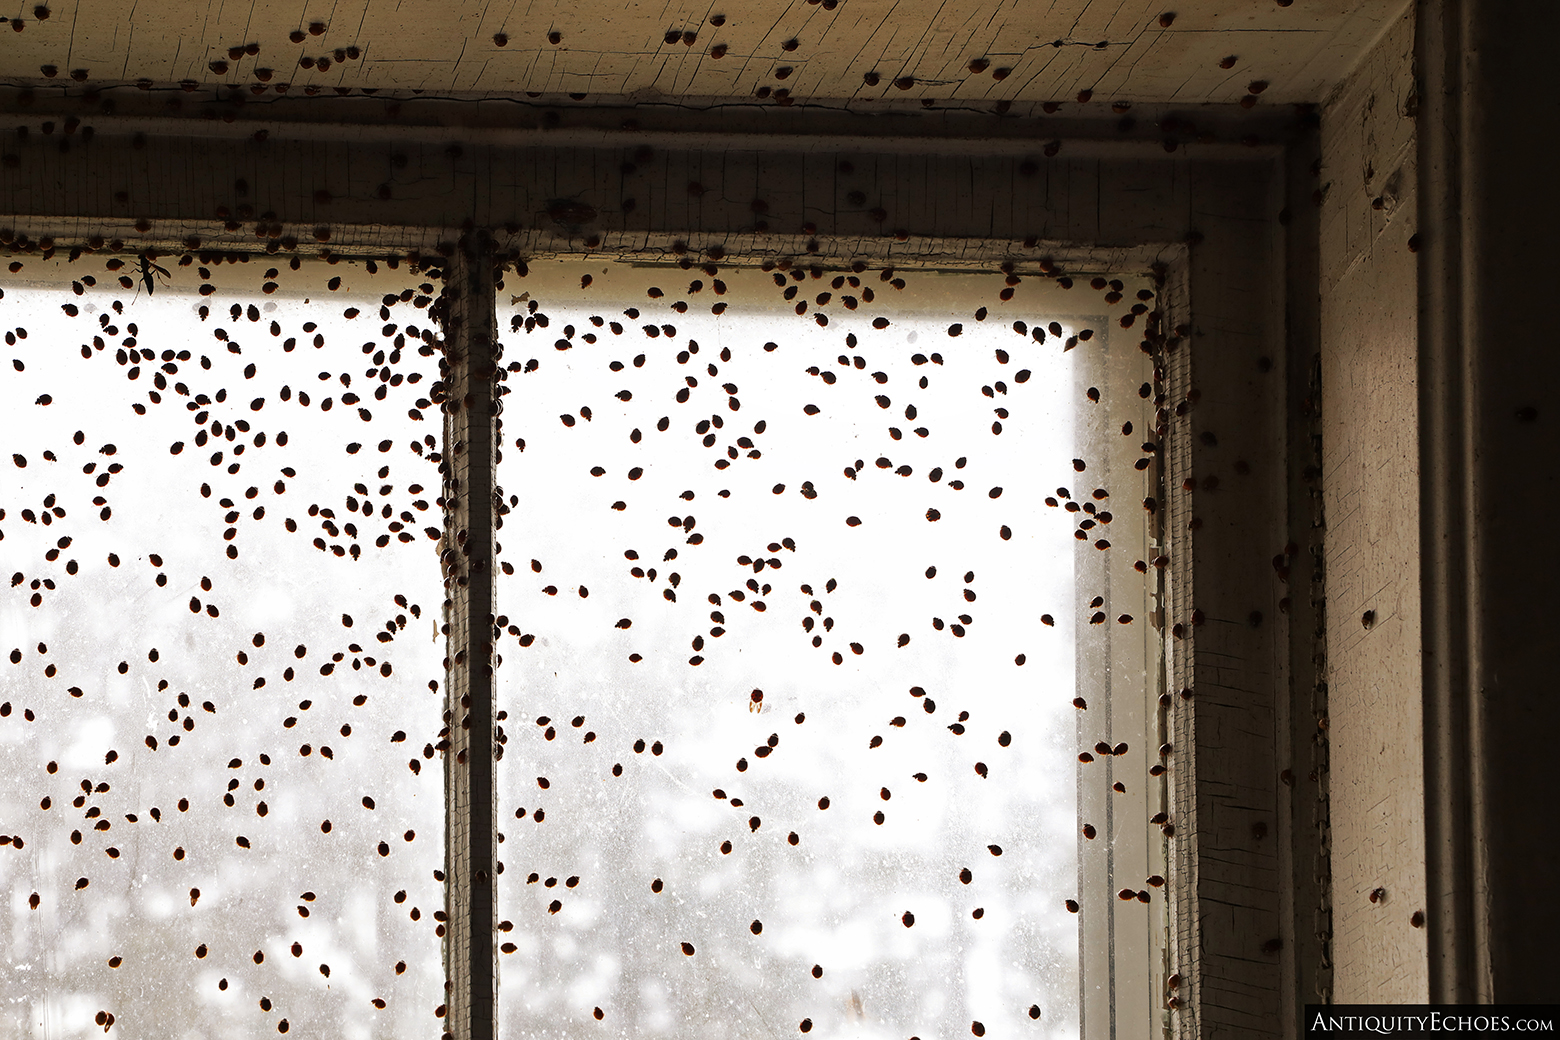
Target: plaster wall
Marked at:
1370, 456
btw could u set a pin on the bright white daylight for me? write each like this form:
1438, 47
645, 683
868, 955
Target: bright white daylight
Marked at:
794, 617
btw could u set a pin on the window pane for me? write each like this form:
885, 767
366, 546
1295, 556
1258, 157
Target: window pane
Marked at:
790, 652
223, 613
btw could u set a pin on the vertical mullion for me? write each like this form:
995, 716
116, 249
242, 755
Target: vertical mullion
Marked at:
467, 314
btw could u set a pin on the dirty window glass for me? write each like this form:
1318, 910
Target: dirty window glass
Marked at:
220, 656
796, 573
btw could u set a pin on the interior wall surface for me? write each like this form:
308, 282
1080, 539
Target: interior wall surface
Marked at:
1370, 461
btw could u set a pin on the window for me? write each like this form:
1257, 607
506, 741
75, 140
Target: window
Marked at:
824, 640
797, 609
222, 650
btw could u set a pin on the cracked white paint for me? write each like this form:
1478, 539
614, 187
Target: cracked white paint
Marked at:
1117, 49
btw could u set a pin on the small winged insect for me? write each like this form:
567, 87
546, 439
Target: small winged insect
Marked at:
148, 268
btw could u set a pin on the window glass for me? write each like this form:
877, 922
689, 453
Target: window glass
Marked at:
804, 683
217, 510
794, 575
